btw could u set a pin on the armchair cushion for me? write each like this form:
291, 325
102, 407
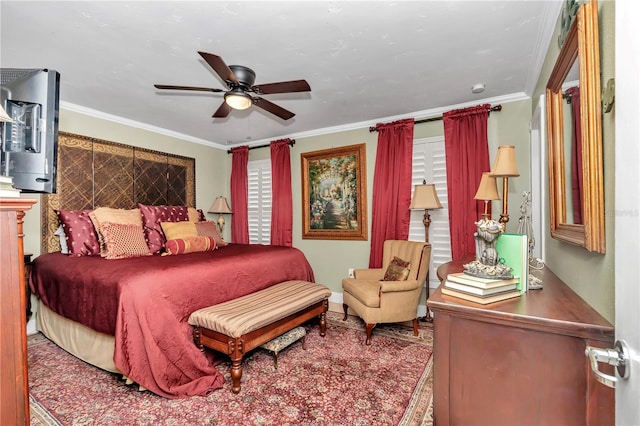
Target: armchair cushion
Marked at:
398, 270
366, 291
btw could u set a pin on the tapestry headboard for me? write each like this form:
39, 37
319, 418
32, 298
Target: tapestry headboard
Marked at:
97, 173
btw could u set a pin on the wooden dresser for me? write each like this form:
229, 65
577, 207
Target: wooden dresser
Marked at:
14, 385
520, 361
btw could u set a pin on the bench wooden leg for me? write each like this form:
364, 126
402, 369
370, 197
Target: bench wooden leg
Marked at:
236, 374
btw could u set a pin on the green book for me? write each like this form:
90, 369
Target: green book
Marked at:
513, 251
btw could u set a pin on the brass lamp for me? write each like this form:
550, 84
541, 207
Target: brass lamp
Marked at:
487, 191
425, 197
221, 207
505, 167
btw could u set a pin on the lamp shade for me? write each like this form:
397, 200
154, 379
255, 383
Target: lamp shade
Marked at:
4, 116
220, 205
425, 197
505, 164
488, 188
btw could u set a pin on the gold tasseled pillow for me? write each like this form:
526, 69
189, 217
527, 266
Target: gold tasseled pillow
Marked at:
398, 270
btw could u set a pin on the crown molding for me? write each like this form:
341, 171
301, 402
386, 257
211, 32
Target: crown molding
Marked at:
316, 132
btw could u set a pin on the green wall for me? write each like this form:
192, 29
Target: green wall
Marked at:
588, 274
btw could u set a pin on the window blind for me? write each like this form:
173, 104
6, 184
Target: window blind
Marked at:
259, 201
429, 164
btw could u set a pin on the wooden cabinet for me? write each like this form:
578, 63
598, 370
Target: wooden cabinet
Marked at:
14, 384
520, 361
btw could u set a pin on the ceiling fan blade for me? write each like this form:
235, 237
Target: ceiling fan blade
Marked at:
222, 111
198, 89
219, 66
282, 87
273, 108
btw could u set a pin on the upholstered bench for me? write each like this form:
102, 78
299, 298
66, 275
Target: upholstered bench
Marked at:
279, 343
237, 326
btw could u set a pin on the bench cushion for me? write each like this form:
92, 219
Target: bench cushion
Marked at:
237, 317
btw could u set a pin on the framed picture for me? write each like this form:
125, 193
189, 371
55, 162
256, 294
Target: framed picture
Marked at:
334, 194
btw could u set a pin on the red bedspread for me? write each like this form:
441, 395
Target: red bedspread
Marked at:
145, 303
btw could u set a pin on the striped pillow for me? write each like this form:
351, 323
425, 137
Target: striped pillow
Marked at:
189, 245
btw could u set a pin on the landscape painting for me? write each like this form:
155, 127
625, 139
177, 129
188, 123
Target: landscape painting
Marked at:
334, 194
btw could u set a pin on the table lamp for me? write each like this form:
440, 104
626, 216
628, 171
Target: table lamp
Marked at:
505, 167
220, 206
487, 191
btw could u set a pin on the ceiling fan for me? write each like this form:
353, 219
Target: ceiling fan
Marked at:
241, 93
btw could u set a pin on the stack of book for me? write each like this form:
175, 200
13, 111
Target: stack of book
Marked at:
6, 188
480, 290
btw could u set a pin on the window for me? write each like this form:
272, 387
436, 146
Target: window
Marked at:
259, 201
429, 164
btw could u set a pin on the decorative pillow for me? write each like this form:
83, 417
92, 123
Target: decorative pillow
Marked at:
194, 216
123, 240
210, 229
173, 230
107, 214
80, 235
189, 245
152, 216
62, 239
398, 270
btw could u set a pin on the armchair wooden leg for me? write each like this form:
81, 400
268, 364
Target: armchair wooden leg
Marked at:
415, 326
369, 330
346, 308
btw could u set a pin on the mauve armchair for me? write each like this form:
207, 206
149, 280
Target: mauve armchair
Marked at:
377, 301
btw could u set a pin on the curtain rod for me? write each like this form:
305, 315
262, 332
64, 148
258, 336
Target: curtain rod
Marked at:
428, 120
290, 143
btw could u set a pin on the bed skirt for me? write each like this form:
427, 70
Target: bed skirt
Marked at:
80, 341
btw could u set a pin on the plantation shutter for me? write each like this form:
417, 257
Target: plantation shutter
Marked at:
259, 201
428, 164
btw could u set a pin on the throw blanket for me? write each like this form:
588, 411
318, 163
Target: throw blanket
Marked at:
145, 303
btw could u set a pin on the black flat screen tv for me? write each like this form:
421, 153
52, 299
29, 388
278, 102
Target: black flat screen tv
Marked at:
31, 98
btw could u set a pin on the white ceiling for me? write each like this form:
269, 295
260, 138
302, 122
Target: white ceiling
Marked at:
365, 61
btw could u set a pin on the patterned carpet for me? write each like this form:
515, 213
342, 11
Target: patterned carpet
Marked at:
337, 380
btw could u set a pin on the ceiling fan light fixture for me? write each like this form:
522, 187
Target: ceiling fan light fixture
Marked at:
238, 100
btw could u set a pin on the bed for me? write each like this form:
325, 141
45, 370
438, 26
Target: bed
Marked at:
129, 315
140, 306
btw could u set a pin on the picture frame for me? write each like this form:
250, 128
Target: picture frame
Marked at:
334, 194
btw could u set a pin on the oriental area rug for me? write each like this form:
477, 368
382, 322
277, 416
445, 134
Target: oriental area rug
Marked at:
335, 380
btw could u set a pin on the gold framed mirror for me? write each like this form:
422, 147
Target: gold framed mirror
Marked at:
576, 179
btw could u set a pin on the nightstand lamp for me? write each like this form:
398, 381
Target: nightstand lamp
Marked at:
487, 191
220, 206
505, 167
425, 198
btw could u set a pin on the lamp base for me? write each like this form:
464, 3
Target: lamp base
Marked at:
220, 224
487, 264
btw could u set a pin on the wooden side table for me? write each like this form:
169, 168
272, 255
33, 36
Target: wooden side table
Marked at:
519, 361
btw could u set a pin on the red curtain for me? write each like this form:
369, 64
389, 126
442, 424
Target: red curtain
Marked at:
390, 214
467, 156
239, 195
281, 202
576, 155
